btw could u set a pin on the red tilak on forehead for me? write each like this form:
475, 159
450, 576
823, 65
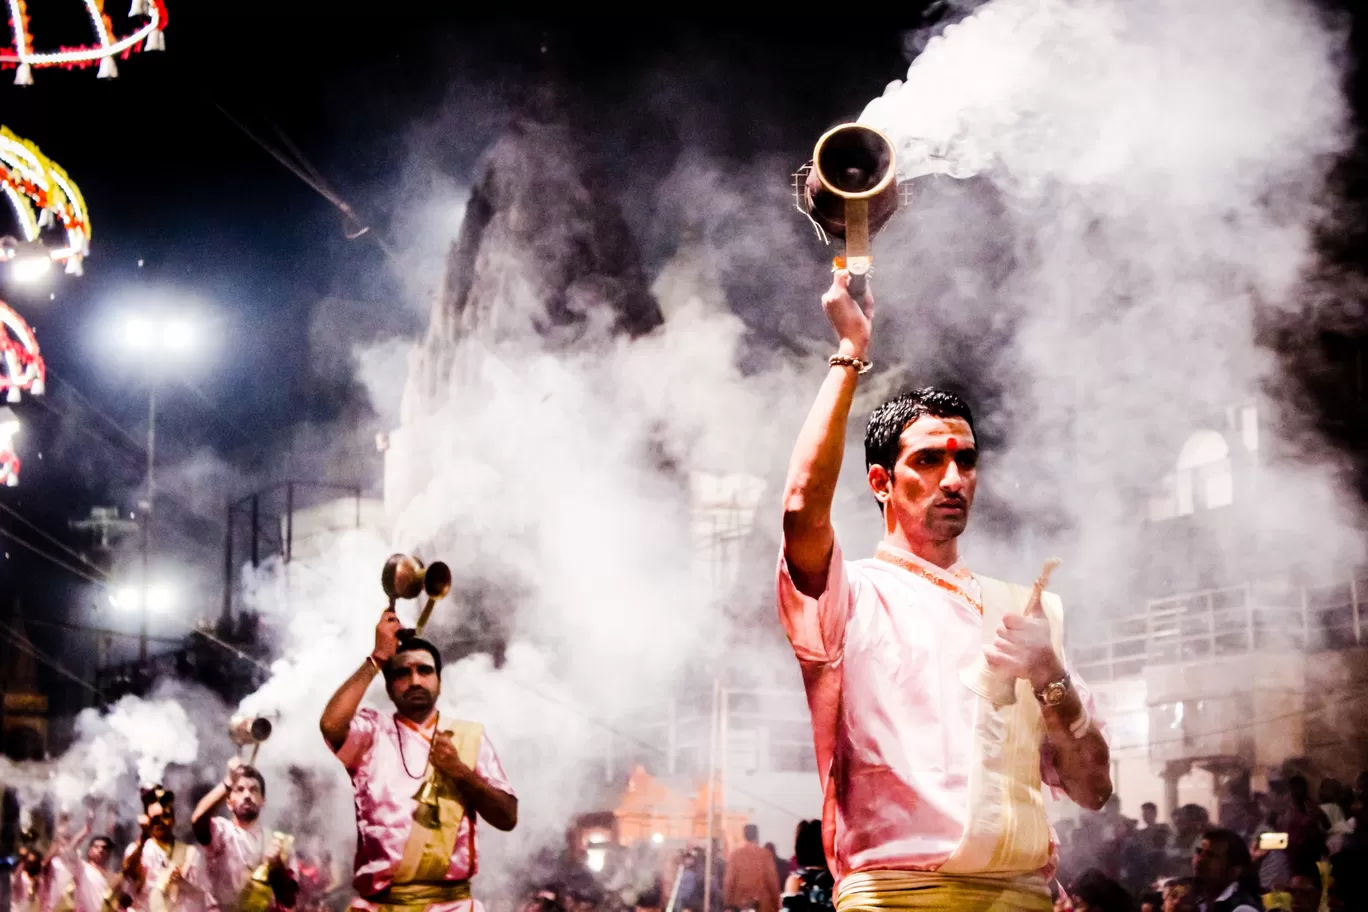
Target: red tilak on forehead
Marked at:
952, 445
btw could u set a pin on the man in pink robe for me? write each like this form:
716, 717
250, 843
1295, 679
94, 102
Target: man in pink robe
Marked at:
414, 855
162, 873
932, 787
236, 846
95, 882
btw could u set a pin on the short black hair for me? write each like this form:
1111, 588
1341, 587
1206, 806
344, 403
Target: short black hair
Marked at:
415, 644
807, 845
1101, 892
751, 832
888, 421
1236, 850
107, 840
251, 772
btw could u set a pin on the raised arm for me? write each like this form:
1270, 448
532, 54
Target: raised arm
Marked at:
337, 715
816, 462
201, 821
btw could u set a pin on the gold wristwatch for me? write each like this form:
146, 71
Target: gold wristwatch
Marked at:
1053, 694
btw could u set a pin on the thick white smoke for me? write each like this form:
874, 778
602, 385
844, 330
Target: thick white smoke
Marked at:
1149, 178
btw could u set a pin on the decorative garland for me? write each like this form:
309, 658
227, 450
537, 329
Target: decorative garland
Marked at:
23, 58
32, 181
22, 362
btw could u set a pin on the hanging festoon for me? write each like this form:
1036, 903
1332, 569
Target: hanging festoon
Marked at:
52, 223
21, 364
147, 18
21, 371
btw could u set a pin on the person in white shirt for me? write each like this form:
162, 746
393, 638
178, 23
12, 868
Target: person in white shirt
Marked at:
236, 847
163, 873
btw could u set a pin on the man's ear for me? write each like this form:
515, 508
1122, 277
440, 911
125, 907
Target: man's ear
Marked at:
880, 482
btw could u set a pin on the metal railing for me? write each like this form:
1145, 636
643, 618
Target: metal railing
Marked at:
1215, 623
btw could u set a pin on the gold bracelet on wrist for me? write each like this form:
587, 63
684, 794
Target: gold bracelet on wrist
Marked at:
375, 663
860, 364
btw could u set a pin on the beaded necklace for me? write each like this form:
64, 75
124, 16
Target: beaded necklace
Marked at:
884, 553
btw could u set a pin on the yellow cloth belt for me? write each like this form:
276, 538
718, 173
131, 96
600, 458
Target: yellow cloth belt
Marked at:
421, 895
882, 891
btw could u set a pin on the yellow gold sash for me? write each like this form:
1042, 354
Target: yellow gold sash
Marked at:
886, 891
427, 854
420, 895
1006, 831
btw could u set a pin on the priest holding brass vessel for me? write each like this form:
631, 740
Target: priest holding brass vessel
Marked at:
421, 782
940, 698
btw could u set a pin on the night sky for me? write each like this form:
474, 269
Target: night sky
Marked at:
228, 234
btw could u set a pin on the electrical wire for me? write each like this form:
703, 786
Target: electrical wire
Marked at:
294, 161
23, 644
56, 560
76, 554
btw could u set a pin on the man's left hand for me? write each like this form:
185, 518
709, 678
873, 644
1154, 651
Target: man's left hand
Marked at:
445, 758
1023, 649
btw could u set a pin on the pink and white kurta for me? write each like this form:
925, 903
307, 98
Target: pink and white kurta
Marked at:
192, 895
92, 885
896, 729
386, 757
233, 854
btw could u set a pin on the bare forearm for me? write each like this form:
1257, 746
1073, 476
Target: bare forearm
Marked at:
496, 806
1083, 761
341, 708
813, 472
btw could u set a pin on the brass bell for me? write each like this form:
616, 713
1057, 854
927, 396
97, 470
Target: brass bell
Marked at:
405, 577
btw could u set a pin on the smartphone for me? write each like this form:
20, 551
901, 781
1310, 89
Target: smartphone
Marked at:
1270, 841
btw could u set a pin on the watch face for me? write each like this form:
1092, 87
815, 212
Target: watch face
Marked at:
1054, 693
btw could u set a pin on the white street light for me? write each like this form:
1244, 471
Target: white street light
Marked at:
179, 336
137, 332
161, 598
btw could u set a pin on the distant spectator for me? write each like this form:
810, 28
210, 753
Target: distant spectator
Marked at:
1152, 901
1096, 892
781, 867
1304, 823
1306, 889
809, 887
1220, 870
752, 881
1349, 866
1178, 895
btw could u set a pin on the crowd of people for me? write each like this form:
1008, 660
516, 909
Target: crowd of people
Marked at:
750, 878
1279, 849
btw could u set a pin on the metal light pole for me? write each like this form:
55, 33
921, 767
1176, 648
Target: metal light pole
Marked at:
147, 517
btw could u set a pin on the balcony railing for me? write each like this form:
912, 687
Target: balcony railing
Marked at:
1215, 623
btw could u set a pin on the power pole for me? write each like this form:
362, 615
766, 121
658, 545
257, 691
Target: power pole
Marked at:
104, 523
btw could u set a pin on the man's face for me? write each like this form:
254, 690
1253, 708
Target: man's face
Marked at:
162, 820
245, 799
1210, 865
1150, 813
98, 853
412, 683
932, 487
